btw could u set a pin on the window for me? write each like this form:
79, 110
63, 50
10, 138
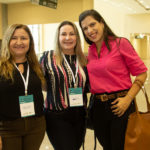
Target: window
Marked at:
35, 30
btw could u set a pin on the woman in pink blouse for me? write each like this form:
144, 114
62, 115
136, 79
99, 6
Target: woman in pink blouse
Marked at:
111, 60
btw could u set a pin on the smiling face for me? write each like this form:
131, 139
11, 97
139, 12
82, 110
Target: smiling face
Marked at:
93, 29
67, 39
19, 44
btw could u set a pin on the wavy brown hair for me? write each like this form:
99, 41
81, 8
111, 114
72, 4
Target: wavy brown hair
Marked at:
6, 59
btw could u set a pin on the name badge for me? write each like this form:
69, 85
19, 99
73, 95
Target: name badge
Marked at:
26, 106
75, 97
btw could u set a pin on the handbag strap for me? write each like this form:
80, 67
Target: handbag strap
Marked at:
147, 101
146, 96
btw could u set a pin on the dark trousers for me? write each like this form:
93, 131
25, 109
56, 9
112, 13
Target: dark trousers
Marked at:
66, 129
109, 128
23, 134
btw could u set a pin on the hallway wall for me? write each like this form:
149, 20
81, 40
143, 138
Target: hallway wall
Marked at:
29, 13
123, 24
113, 17
137, 24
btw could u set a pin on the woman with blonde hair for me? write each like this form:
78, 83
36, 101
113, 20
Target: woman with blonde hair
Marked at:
22, 122
66, 81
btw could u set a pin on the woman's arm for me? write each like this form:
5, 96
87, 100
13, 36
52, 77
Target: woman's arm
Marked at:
137, 84
120, 105
0, 143
42, 62
87, 84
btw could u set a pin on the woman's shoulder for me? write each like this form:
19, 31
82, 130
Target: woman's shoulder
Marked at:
50, 52
46, 55
122, 40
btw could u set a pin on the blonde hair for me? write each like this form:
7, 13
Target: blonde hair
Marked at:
78, 50
6, 59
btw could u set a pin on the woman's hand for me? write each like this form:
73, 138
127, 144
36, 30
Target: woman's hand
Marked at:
0, 143
120, 105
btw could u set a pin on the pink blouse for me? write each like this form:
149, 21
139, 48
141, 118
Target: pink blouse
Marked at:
111, 71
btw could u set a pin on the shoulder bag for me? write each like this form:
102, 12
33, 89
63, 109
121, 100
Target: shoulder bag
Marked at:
138, 129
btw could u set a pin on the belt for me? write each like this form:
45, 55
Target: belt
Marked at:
106, 97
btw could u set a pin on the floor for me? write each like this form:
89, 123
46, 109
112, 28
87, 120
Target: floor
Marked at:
89, 139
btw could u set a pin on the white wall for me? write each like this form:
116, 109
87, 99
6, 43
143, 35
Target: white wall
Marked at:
121, 23
137, 24
49, 36
113, 17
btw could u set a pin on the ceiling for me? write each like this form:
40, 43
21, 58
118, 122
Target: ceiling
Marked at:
13, 1
127, 6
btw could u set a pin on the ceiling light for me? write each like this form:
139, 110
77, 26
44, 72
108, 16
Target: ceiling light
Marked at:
140, 36
141, 1
144, 3
148, 7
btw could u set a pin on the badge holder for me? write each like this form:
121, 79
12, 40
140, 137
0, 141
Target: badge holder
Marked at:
26, 102
26, 105
75, 97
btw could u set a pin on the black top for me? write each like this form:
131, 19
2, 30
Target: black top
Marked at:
10, 92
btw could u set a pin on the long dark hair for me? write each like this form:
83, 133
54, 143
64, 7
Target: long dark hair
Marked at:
108, 33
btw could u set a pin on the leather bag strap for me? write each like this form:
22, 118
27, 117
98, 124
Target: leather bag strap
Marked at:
147, 101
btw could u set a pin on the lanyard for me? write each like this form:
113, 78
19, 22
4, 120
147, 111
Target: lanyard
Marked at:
74, 77
24, 81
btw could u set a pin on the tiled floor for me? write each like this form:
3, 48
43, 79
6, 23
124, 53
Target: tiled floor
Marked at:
89, 139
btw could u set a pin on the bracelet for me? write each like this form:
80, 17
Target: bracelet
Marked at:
131, 97
139, 83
